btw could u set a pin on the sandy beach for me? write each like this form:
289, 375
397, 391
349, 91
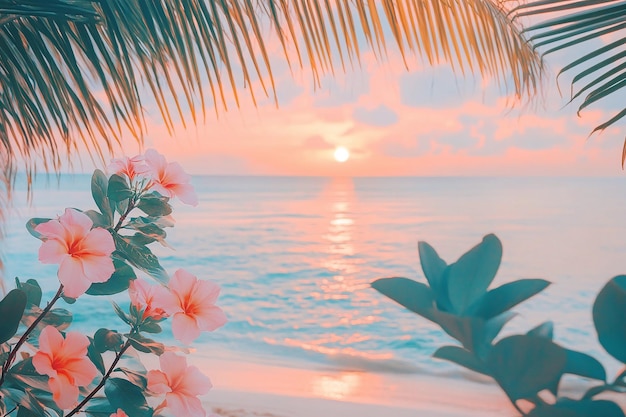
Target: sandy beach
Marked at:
248, 389
244, 387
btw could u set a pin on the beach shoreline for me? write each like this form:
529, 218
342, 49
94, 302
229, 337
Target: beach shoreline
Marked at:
246, 387
243, 388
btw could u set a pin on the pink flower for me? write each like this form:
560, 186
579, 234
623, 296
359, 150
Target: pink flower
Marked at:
119, 413
195, 308
65, 362
131, 167
169, 179
181, 385
83, 253
152, 299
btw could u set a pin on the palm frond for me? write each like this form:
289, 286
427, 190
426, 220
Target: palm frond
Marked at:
576, 23
58, 57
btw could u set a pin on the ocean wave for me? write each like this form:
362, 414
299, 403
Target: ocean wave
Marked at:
344, 359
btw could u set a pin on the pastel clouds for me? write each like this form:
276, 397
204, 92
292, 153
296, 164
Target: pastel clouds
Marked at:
395, 122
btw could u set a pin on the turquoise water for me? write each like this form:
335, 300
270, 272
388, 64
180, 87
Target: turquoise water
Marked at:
295, 257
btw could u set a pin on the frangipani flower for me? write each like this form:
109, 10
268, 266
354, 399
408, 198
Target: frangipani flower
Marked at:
131, 167
169, 179
154, 300
119, 413
181, 385
195, 308
83, 253
65, 361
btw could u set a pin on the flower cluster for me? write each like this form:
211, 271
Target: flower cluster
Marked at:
100, 252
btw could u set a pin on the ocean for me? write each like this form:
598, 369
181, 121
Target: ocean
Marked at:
295, 258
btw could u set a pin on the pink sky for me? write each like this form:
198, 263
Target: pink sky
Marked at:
424, 121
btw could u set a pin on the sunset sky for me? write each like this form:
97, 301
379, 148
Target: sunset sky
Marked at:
425, 121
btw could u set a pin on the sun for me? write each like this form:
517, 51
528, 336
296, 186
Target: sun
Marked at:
341, 154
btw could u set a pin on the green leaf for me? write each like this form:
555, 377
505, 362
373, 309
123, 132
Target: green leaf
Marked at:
120, 313
525, 365
581, 364
505, 297
143, 344
474, 333
148, 231
26, 400
119, 281
150, 327
105, 339
118, 189
432, 265
99, 407
122, 206
461, 357
413, 295
32, 290
566, 407
11, 310
25, 412
142, 258
99, 186
127, 396
609, 312
545, 329
94, 355
470, 276
135, 377
155, 205
34, 222
99, 220
57, 317
24, 374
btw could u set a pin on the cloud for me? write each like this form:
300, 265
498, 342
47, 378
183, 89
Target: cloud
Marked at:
380, 116
317, 142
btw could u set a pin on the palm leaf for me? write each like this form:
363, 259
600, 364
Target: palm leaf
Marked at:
578, 22
58, 58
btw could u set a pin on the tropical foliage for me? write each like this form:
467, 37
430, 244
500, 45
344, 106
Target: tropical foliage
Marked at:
79, 73
45, 369
598, 73
524, 366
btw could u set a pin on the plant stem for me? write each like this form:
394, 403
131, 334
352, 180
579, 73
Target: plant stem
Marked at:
131, 206
12, 410
18, 345
103, 381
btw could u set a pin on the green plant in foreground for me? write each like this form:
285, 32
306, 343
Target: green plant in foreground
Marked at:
525, 366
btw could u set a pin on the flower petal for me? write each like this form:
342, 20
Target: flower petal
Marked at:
72, 277
64, 394
211, 318
209, 291
50, 340
52, 251
97, 268
194, 382
76, 223
43, 364
185, 328
186, 193
83, 371
52, 229
98, 241
182, 405
174, 366
157, 382
182, 282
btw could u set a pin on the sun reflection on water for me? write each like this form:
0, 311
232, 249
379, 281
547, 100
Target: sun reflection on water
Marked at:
336, 387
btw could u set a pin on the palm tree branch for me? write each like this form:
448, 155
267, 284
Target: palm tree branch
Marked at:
578, 23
